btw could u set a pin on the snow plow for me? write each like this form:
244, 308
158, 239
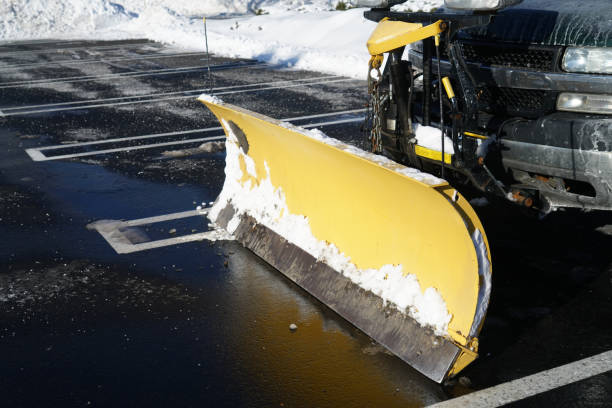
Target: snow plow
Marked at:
381, 237
398, 253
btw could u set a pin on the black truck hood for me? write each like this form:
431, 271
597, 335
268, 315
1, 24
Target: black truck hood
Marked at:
551, 22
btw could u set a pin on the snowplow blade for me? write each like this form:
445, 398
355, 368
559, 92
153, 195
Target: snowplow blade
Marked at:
398, 253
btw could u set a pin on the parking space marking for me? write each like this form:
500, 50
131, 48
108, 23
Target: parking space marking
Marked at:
36, 153
332, 122
165, 217
200, 236
186, 132
117, 233
192, 92
135, 74
38, 156
84, 78
94, 47
534, 384
61, 63
14, 111
125, 139
36, 42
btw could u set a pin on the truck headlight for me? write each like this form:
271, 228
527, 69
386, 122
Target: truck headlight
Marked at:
585, 59
587, 103
480, 4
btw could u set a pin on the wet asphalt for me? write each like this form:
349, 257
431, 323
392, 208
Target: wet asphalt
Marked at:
207, 323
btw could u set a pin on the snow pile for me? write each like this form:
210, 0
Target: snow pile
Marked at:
418, 5
431, 138
305, 34
268, 206
25, 19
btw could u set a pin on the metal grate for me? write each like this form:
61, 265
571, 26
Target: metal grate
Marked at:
516, 101
543, 59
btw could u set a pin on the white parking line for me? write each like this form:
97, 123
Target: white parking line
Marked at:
136, 74
534, 384
124, 139
143, 246
84, 78
190, 91
92, 47
165, 217
36, 42
61, 63
186, 132
36, 154
135, 102
332, 122
114, 232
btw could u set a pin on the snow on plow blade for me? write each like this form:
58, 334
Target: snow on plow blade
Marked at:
398, 253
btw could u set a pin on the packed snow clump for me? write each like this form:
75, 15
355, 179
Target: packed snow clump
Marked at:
267, 204
418, 5
210, 98
431, 138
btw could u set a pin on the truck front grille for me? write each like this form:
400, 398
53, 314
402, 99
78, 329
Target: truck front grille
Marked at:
517, 102
530, 57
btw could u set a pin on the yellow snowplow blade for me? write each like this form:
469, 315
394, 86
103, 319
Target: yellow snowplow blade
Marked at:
377, 214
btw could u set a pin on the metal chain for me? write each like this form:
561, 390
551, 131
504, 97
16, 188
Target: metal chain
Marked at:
373, 112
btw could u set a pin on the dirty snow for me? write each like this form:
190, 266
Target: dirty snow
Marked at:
268, 206
305, 34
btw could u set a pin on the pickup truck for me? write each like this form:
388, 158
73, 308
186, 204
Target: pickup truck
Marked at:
532, 119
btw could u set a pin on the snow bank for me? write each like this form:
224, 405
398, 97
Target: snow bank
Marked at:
331, 42
268, 206
28, 19
305, 34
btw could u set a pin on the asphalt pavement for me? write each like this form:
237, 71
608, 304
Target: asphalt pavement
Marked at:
112, 132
